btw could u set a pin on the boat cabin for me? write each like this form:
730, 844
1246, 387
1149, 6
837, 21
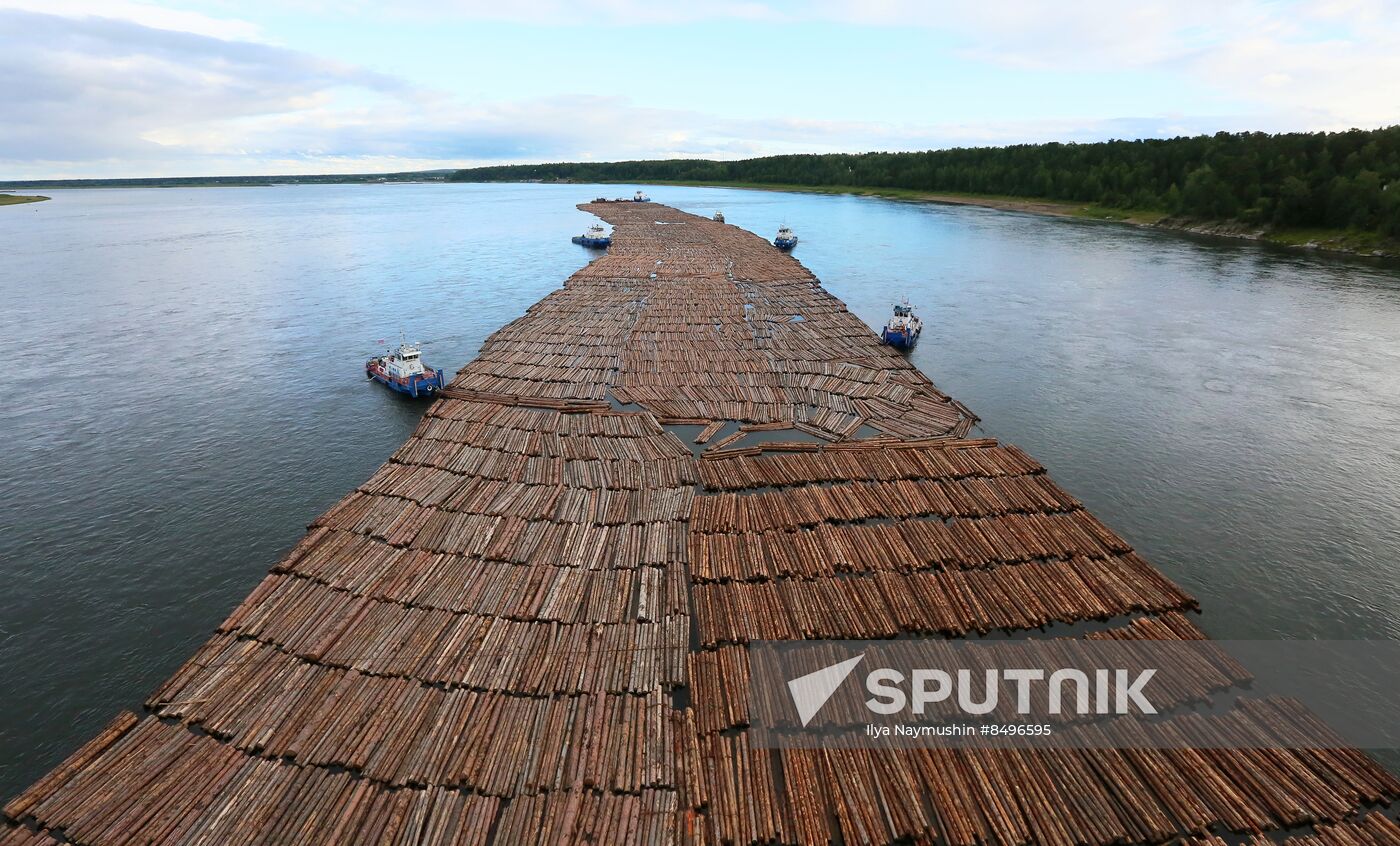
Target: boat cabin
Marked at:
404, 363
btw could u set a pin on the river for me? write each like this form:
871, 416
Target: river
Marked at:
185, 393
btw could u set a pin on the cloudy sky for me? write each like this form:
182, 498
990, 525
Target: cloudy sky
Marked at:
128, 88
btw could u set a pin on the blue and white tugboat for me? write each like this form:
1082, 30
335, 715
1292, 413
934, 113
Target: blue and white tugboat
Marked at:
639, 197
596, 237
785, 240
403, 370
902, 332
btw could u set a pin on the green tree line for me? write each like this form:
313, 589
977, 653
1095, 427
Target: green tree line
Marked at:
1339, 180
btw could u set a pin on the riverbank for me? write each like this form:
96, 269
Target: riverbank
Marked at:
1328, 240
17, 199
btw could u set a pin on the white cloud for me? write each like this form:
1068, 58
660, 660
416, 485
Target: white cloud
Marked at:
1334, 84
91, 89
1087, 34
129, 88
563, 13
145, 14
1329, 64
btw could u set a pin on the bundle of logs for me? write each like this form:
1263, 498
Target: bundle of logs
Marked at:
533, 624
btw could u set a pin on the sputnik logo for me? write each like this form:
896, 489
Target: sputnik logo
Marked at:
929, 686
810, 692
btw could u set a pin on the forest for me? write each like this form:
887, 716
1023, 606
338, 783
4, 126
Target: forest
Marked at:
1336, 180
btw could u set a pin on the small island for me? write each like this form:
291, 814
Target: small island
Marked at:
16, 199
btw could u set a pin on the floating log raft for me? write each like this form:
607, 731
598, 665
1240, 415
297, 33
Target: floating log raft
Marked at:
531, 625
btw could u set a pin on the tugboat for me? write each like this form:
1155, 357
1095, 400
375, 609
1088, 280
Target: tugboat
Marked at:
403, 371
785, 240
639, 197
596, 236
719, 217
902, 332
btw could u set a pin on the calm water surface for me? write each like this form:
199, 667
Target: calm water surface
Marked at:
185, 394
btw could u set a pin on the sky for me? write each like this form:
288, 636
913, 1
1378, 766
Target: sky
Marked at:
121, 88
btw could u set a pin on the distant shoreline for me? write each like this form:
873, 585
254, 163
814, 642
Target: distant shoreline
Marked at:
228, 181
1326, 240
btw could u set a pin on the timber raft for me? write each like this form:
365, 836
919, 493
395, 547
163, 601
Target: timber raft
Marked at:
530, 624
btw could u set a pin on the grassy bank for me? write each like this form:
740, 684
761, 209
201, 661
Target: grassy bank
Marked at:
1334, 240
16, 199
1365, 243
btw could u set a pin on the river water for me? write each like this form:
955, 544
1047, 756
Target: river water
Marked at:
185, 393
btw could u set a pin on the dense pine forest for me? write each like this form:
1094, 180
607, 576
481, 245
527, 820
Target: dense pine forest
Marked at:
1338, 180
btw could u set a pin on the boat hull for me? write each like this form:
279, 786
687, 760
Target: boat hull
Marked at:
595, 243
784, 243
425, 384
899, 338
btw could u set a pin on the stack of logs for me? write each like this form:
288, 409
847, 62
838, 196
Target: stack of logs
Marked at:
533, 623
